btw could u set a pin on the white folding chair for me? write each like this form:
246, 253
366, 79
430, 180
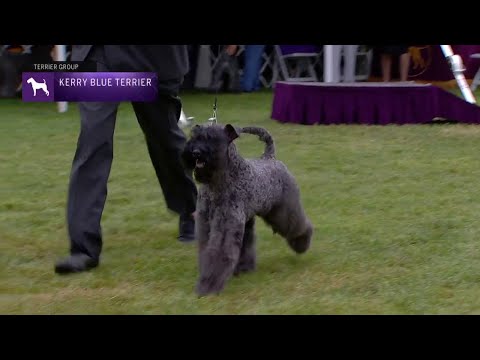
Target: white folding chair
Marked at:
297, 62
269, 67
364, 63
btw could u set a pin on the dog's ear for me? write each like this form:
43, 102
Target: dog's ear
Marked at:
232, 132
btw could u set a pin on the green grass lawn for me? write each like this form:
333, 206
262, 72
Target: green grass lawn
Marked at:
396, 214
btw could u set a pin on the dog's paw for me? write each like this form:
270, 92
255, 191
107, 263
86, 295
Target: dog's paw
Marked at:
244, 268
206, 288
204, 291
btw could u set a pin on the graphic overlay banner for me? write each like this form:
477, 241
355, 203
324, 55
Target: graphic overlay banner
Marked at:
89, 86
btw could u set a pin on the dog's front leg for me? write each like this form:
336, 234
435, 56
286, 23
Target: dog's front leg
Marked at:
220, 256
247, 258
202, 231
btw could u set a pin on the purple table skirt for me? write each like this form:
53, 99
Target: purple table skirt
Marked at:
368, 103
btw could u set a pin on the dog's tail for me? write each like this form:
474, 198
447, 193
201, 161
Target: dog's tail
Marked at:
265, 136
44, 81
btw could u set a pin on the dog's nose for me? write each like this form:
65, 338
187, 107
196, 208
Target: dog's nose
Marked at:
196, 153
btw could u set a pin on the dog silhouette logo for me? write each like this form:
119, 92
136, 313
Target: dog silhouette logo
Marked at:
38, 86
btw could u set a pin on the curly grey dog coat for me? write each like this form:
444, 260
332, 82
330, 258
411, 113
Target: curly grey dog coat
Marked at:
233, 191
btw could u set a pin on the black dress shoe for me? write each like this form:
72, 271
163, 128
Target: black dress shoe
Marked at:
75, 263
186, 228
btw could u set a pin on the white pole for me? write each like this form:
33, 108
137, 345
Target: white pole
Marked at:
456, 64
328, 59
61, 55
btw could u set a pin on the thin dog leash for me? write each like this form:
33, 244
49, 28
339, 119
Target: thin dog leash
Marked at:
213, 120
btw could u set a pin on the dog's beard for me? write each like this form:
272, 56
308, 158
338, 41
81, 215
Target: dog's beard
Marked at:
199, 164
202, 171
203, 159
206, 165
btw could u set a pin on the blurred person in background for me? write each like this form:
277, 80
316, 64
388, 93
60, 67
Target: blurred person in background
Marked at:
253, 55
387, 53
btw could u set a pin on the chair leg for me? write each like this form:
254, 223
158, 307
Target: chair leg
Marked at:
476, 81
275, 75
281, 64
311, 71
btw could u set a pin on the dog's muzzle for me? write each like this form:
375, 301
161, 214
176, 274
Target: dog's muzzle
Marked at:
199, 163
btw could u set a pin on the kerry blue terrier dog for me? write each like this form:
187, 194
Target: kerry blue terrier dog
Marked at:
234, 190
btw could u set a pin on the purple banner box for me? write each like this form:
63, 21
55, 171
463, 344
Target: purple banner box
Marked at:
89, 86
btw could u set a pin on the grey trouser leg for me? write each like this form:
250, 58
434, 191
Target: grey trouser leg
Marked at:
91, 166
165, 143
88, 181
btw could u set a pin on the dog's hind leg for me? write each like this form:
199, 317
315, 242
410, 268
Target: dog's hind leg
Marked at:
247, 261
221, 254
289, 220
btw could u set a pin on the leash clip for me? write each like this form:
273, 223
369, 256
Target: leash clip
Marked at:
213, 119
